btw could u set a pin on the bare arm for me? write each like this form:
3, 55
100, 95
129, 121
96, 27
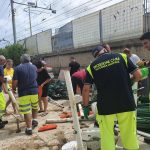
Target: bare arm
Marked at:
14, 85
137, 76
47, 81
140, 63
85, 94
1, 79
4, 88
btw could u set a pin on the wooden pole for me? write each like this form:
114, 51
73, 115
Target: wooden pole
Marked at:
74, 110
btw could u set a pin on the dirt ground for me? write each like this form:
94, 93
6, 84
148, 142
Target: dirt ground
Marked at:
47, 140
52, 139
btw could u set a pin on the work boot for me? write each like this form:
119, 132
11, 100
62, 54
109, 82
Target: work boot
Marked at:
28, 131
34, 124
5, 122
2, 124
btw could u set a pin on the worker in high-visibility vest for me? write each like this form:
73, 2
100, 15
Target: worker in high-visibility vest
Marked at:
24, 78
2, 98
110, 73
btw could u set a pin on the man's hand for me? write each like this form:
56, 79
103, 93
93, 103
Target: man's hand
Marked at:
86, 111
42, 85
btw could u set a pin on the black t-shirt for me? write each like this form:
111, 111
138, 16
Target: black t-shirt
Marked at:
42, 76
110, 73
74, 67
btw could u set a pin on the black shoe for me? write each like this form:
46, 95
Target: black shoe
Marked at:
2, 125
28, 132
5, 122
34, 124
96, 124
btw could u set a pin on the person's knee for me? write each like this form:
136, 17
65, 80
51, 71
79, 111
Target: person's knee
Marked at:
44, 99
34, 110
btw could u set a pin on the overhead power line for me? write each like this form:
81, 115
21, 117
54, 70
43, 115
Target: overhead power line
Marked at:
59, 18
62, 14
61, 21
67, 12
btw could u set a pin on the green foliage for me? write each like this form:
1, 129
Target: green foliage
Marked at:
13, 52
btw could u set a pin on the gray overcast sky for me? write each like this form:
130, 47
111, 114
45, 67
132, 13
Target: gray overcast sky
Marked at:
67, 10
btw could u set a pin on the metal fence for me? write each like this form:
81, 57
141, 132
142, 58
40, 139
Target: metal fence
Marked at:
122, 21
62, 41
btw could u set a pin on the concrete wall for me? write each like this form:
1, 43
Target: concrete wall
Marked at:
62, 61
84, 57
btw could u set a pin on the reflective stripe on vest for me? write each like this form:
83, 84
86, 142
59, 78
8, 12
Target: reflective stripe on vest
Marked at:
124, 56
90, 71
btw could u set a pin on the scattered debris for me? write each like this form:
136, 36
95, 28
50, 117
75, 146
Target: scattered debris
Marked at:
47, 127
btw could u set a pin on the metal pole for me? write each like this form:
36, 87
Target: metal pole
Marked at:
13, 21
30, 21
37, 45
146, 15
101, 27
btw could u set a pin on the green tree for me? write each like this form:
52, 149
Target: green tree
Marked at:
13, 52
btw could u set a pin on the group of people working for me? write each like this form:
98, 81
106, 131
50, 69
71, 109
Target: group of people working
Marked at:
113, 75
26, 78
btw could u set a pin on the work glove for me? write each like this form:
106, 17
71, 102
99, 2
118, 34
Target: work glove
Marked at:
86, 111
144, 72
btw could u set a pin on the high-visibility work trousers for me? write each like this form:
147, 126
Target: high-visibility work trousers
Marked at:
2, 104
127, 126
27, 103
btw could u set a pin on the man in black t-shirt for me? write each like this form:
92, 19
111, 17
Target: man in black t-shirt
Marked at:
110, 73
43, 80
145, 38
73, 65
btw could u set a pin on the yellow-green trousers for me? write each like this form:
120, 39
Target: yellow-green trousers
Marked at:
2, 104
127, 126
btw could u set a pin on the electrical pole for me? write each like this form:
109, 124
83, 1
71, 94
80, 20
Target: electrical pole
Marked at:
30, 20
13, 20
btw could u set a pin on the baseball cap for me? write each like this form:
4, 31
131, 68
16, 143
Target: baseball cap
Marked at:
96, 50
